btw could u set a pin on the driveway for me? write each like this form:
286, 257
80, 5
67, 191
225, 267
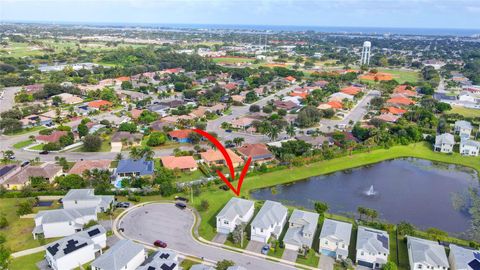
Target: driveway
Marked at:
290, 255
255, 246
326, 262
220, 238
165, 222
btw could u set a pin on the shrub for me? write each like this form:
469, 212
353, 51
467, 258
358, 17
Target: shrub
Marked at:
156, 139
26, 207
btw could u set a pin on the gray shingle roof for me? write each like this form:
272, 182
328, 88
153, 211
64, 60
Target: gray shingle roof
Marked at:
118, 255
236, 267
445, 138
427, 252
234, 207
201, 267
62, 215
463, 257
463, 124
80, 194
470, 143
270, 214
74, 242
336, 231
160, 260
304, 223
372, 241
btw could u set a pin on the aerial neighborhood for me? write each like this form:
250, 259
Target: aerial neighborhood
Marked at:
337, 151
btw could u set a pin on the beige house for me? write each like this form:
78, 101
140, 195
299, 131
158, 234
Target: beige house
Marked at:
19, 180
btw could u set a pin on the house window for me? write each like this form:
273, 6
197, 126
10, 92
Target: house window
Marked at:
76, 202
326, 242
419, 266
261, 230
361, 253
225, 222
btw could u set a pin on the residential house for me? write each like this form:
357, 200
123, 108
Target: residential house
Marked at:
123, 255
394, 110
160, 109
120, 137
334, 105
351, 90
469, 147
462, 258
286, 105
85, 198
242, 122
216, 158
7, 171
35, 120
21, 178
62, 222
339, 96
426, 254
77, 249
99, 104
301, 230
268, 222
54, 137
183, 163
132, 167
135, 113
238, 98
388, 117
201, 267
88, 165
335, 238
180, 135
317, 141
69, 98
161, 260
444, 143
372, 247
235, 212
400, 101
463, 128
290, 79
258, 152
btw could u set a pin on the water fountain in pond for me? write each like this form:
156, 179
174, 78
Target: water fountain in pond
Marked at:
370, 191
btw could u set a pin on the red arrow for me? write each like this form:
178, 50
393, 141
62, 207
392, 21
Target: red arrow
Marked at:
229, 163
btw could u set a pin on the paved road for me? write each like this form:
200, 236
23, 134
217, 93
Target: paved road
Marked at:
7, 98
167, 223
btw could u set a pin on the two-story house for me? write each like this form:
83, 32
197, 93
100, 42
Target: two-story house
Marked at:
85, 198
372, 247
444, 143
461, 258
235, 212
425, 254
301, 230
268, 222
62, 222
335, 239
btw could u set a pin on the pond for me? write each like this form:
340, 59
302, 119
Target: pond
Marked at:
418, 191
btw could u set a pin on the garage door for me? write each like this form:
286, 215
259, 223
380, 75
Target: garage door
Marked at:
258, 238
223, 230
366, 264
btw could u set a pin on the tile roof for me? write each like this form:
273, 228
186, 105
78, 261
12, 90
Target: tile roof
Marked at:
351, 90
184, 162
180, 133
99, 103
53, 138
257, 150
215, 156
401, 101
46, 170
86, 165
395, 110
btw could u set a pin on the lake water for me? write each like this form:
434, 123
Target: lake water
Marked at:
413, 190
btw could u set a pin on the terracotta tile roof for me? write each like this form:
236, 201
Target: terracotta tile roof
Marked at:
394, 110
402, 89
388, 117
99, 103
377, 77
290, 78
401, 101
351, 90
254, 150
215, 156
172, 162
303, 95
244, 121
86, 165
47, 170
136, 113
180, 133
53, 138
335, 104
123, 79
230, 86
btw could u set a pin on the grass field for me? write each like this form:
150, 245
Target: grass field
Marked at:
232, 60
402, 76
465, 111
27, 130
22, 144
27, 262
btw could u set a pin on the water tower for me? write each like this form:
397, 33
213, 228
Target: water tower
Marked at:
367, 46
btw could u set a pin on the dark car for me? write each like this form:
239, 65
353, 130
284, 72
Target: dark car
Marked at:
44, 152
159, 243
265, 249
228, 130
25, 163
181, 205
224, 187
123, 205
181, 198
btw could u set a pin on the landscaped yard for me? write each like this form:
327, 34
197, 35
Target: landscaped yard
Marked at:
465, 111
311, 259
37, 147
22, 144
27, 130
402, 76
27, 262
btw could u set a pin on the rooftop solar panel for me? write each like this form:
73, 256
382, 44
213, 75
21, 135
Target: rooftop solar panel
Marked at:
151, 268
93, 232
476, 255
171, 267
164, 256
53, 249
475, 264
384, 240
72, 245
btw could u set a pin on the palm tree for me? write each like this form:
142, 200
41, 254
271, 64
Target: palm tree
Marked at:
273, 132
290, 130
135, 153
238, 141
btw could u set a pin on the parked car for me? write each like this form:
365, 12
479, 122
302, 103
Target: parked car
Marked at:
224, 187
265, 249
181, 205
44, 152
228, 130
159, 243
25, 163
179, 198
123, 204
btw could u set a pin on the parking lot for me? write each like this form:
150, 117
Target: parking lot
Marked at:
165, 222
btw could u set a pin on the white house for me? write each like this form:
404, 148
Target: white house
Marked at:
161, 260
85, 198
77, 249
444, 143
124, 255
236, 267
201, 267
469, 147
301, 230
426, 254
339, 96
268, 222
335, 239
235, 212
62, 222
372, 247
461, 258
463, 128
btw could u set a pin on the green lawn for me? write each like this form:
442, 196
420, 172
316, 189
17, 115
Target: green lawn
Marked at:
465, 111
27, 262
402, 76
23, 144
19, 232
311, 259
26, 130
37, 147
232, 60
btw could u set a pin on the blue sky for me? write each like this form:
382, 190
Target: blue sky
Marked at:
373, 13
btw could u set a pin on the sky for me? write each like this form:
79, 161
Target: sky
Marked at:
360, 13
